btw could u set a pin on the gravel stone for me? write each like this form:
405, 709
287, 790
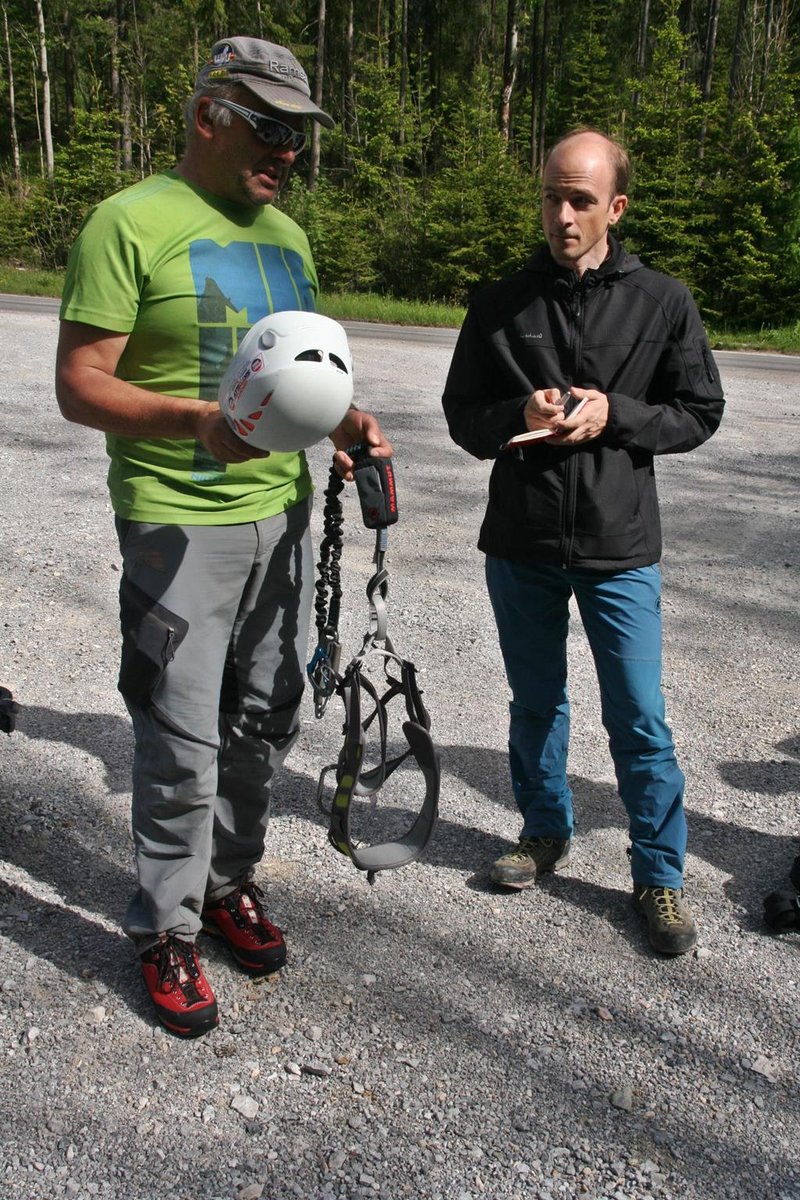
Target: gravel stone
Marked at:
429, 1038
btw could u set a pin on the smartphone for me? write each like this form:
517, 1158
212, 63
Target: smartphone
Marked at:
572, 404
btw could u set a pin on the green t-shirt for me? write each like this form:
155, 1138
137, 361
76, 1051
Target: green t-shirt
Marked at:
186, 274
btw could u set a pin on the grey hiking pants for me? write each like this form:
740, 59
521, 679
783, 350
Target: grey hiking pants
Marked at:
214, 641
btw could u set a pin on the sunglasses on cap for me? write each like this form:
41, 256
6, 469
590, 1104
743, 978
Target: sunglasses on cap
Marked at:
273, 132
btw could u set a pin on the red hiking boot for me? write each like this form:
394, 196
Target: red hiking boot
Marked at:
239, 918
180, 992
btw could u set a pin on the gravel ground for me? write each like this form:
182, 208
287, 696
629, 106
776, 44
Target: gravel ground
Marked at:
429, 1038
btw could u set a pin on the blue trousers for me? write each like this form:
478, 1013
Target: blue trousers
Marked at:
621, 613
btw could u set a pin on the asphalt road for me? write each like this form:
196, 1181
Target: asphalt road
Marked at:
476, 1045
731, 359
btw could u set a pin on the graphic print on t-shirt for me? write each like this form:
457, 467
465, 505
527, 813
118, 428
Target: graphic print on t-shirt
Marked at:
235, 286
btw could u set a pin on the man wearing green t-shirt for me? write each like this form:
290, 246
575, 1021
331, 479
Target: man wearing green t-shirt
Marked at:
162, 283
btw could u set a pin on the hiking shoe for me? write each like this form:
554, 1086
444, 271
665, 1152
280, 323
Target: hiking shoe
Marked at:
532, 857
180, 992
782, 910
670, 925
8, 711
239, 918
794, 875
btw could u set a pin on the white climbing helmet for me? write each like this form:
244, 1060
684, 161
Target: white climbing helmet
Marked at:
289, 383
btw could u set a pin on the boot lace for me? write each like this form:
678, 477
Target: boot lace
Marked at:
247, 910
178, 968
527, 848
667, 903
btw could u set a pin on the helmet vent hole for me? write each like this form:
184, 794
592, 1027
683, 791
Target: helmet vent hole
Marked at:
310, 356
337, 362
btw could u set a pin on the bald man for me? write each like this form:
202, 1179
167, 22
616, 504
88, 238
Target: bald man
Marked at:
572, 375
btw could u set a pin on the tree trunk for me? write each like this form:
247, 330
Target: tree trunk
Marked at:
686, 14
47, 128
771, 45
37, 114
313, 165
535, 57
391, 34
710, 48
509, 69
641, 46
543, 67
403, 67
686, 21
708, 66
114, 79
127, 135
123, 87
736, 56
12, 109
644, 29
438, 74
348, 89
69, 69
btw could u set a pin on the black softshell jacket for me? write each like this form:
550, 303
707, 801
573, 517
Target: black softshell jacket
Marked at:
625, 330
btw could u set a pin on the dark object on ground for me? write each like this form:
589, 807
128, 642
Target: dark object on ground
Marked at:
8, 710
782, 908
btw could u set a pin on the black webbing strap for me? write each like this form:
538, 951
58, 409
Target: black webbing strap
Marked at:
352, 780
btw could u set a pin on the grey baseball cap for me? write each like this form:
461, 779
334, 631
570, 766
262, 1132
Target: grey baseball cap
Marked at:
271, 72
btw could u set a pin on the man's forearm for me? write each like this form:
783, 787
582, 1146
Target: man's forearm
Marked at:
90, 393
90, 397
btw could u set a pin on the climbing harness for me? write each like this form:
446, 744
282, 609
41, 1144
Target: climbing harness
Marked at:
364, 707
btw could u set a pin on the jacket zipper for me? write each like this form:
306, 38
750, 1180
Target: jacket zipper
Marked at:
169, 647
577, 307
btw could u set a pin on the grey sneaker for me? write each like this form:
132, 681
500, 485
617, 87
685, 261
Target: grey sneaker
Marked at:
532, 857
670, 924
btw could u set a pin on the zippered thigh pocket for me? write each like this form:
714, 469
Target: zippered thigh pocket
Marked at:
151, 635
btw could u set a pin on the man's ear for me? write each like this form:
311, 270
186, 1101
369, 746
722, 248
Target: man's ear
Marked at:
202, 121
618, 206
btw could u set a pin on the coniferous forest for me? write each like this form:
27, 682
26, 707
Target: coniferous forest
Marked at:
428, 187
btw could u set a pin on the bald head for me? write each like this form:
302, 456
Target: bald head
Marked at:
617, 156
581, 198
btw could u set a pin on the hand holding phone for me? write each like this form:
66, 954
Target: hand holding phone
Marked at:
570, 406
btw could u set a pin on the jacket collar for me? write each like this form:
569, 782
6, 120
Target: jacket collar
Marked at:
617, 264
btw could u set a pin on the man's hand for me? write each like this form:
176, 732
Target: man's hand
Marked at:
214, 432
90, 393
542, 409
587, 424
357, 426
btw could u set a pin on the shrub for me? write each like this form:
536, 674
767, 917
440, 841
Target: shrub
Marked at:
85, 172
